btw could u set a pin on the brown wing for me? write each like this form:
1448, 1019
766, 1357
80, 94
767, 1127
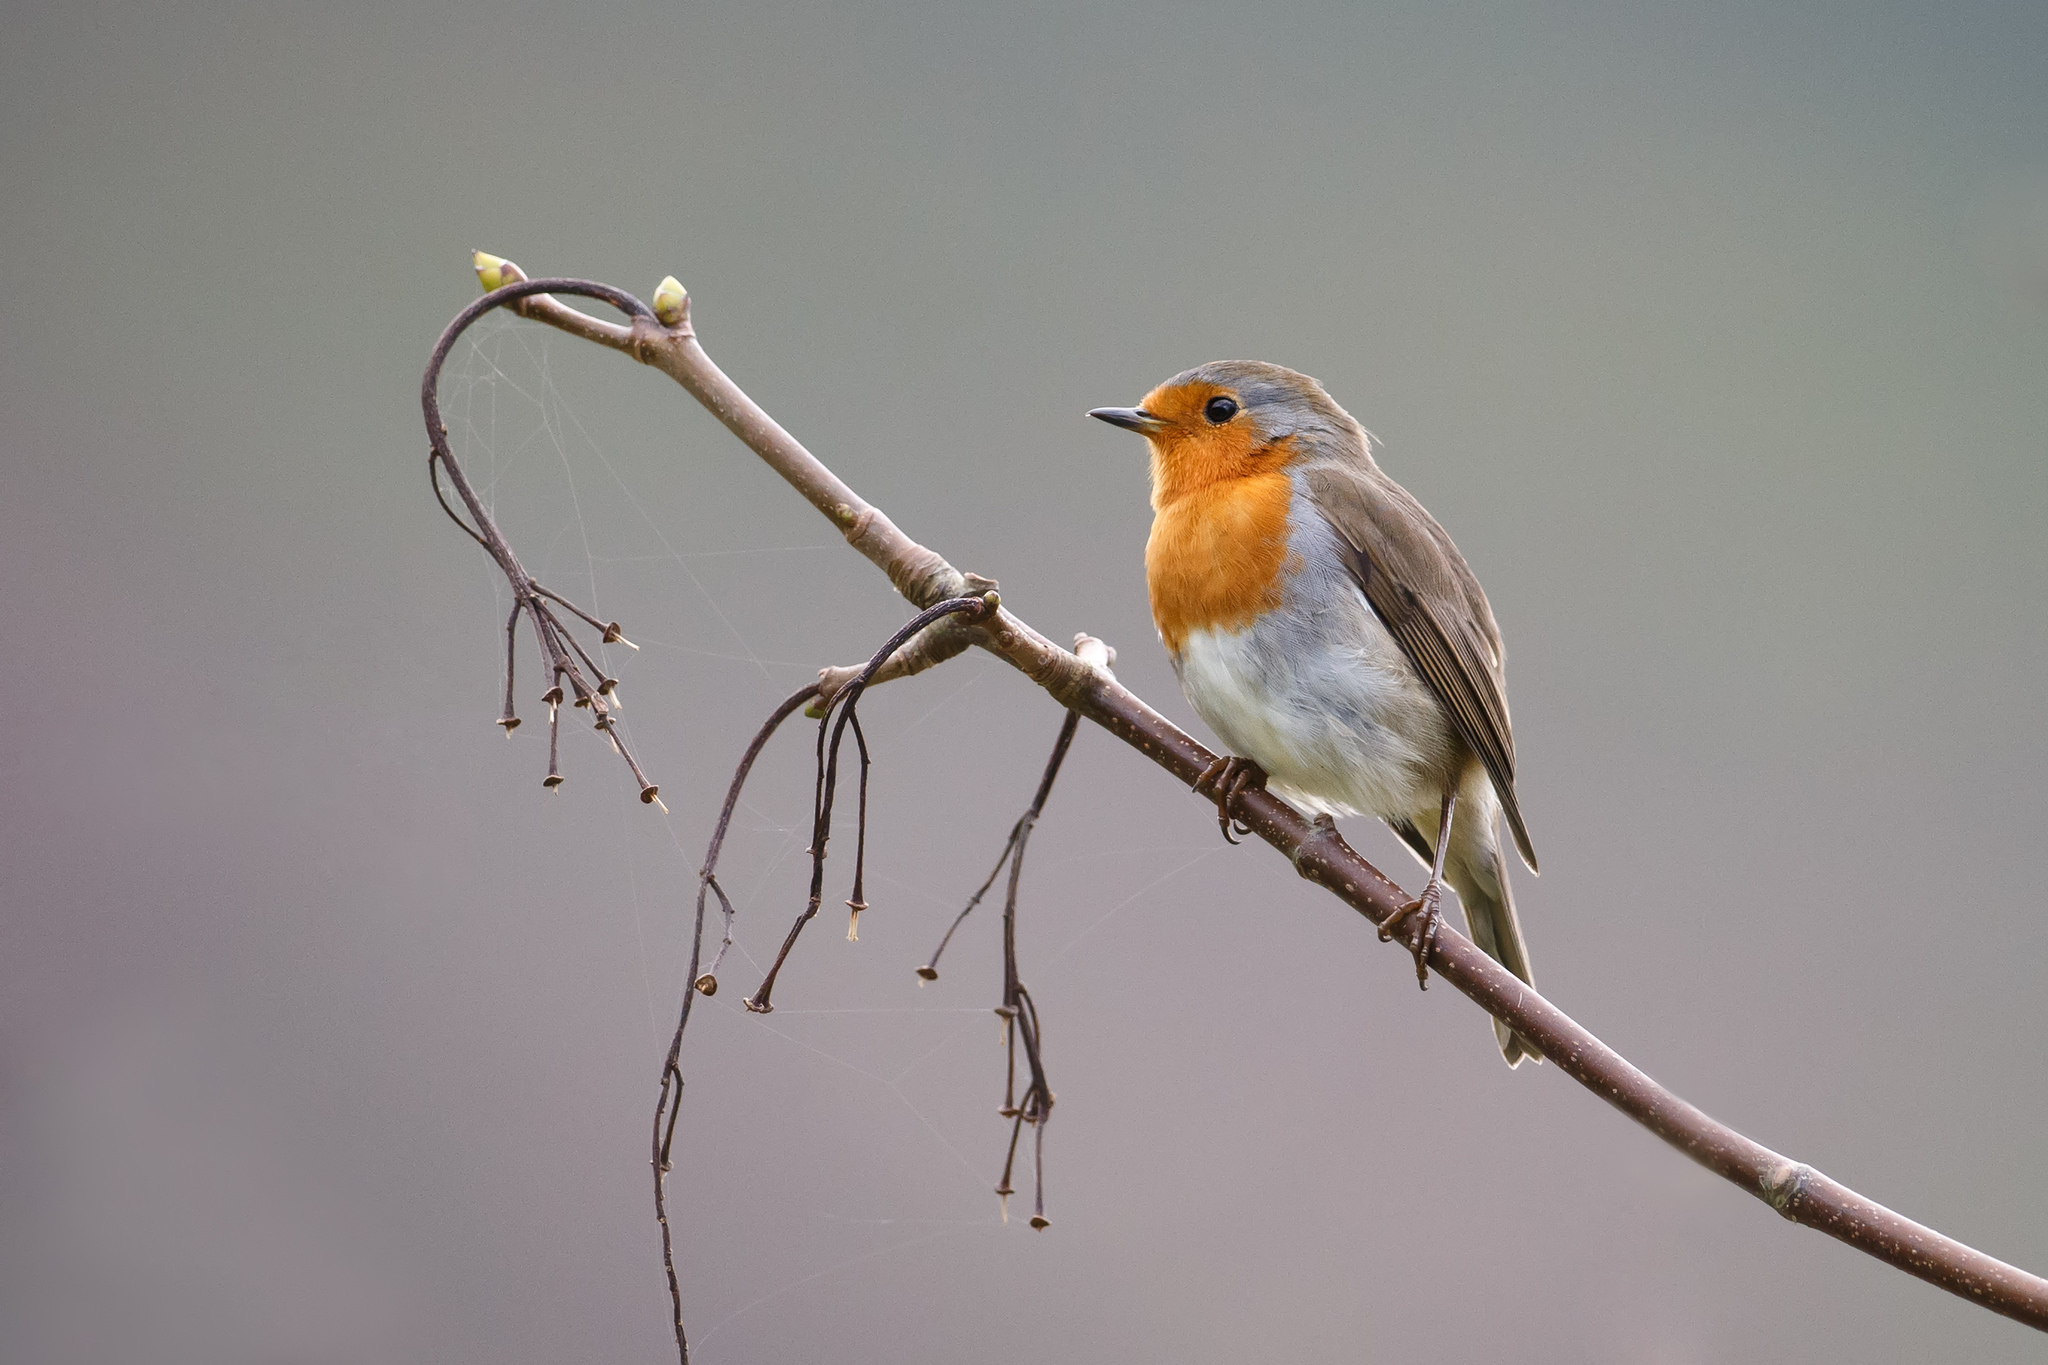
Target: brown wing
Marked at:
1421, 588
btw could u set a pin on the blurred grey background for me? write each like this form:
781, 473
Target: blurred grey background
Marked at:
1716, 334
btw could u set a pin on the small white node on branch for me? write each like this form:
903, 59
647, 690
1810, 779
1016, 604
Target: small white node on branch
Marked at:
1095, 652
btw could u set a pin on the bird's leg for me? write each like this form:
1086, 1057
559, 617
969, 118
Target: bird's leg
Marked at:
1248, 777
1425, 937
1222, 781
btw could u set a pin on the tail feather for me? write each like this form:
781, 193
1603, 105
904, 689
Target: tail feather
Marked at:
1490, 915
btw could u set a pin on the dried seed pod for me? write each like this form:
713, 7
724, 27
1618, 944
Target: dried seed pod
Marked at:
706, 984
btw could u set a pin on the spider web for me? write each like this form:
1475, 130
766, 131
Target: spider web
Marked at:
617, 534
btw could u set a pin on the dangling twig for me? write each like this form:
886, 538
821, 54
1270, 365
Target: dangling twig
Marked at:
670, 1103
858, 901
564, 655
1018, 1013
843, 703
930, 970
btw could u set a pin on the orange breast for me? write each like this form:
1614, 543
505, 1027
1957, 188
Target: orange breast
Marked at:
1216, 555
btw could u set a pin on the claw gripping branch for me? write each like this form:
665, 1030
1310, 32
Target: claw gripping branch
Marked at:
563, 657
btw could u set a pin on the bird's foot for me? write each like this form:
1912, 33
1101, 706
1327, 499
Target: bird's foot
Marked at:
1222, 781
1425, 936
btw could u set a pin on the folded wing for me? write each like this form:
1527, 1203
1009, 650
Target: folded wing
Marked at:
1423, 591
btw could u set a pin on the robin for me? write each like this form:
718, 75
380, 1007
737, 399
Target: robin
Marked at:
1329, 632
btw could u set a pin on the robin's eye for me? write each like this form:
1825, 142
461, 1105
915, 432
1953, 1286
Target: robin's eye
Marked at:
1220, 410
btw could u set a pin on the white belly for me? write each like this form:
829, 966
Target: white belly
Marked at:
1328, 705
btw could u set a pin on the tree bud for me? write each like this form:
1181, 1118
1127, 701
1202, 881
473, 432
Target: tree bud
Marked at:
671, 301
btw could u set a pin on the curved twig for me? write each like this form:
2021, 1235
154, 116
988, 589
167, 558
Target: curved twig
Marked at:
557, 644
828, 774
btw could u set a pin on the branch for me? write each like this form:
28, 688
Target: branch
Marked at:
934, 644
666, 341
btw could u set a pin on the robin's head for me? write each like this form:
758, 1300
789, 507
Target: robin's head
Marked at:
1230, 419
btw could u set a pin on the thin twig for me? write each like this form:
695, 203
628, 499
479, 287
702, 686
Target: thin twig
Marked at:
670, 1104
559, 647
1018, 831
858, 901
930, 970
510, 718
828, 774
1017, 1011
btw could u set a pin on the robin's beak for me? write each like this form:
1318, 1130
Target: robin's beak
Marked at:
1130, 419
